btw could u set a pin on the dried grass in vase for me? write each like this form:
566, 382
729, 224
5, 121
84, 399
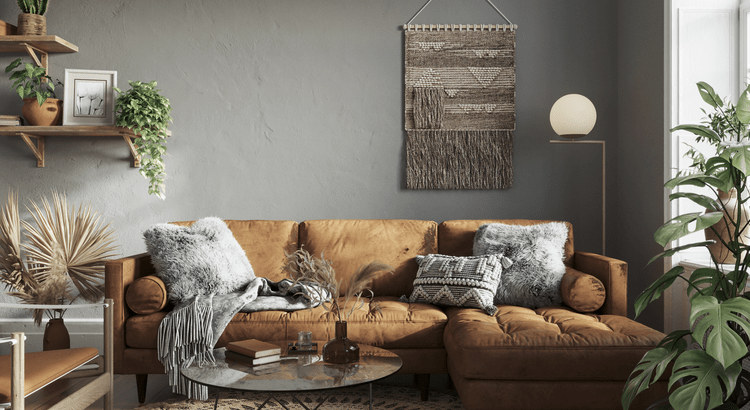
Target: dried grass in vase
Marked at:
305, 268
67, 247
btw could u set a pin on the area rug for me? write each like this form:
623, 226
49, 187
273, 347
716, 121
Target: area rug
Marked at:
384, 397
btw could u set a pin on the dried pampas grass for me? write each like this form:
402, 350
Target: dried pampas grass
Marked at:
305, 268
67, 246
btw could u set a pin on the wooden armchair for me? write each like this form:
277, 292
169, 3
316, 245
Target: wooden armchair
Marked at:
22, 374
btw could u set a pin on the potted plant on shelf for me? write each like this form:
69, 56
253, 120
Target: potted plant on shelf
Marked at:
710, 374
143, 110
339, 299
36, 88
32, 20
67, 247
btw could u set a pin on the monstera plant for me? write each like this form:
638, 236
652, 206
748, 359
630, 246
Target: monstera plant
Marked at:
706, 359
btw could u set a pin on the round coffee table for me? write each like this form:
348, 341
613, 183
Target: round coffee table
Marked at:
294, 373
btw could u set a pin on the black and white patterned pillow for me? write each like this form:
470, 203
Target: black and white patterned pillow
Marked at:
467, 281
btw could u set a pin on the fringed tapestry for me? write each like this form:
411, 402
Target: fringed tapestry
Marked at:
460, 106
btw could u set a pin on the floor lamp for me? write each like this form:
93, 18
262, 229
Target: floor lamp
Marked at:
573, 116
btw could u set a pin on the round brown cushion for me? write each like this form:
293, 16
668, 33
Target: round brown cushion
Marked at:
581, 291
146, 295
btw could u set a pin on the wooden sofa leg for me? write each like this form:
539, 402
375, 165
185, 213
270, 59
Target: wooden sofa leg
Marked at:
423, 381
141, 380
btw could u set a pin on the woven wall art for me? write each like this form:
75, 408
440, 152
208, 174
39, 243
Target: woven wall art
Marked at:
460, 106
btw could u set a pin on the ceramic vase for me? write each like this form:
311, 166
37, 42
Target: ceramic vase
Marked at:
719, 251
49, 113
56, 335
340, 350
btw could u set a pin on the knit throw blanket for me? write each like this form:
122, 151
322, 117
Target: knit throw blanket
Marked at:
188, 333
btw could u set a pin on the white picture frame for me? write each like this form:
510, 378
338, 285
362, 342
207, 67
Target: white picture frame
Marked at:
89, 97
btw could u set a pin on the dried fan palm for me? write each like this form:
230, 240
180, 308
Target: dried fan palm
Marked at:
66, 246
303, 267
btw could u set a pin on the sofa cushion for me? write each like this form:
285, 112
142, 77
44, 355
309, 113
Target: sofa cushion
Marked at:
582, 292
201, 259
383, 321
533, 280
468, 281
146, 295
545, 344
457, 237
352, 243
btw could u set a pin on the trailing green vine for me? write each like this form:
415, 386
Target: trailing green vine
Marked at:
145, 111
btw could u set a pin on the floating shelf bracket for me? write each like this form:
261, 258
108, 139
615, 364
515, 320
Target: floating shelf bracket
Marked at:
42, 60
136, 157
37, 148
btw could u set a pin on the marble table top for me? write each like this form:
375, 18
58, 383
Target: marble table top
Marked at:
295, 372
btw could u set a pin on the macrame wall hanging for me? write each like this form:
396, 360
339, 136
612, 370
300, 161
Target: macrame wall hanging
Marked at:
460, 104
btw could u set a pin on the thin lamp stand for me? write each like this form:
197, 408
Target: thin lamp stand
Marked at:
604, 184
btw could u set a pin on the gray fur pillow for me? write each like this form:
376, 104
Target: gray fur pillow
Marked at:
468, 281
537, 252
204, 258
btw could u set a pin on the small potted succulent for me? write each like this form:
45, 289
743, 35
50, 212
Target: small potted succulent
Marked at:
32, 21
36, 88
143, 110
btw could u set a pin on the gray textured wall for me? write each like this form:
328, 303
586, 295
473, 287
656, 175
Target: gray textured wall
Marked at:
294, 110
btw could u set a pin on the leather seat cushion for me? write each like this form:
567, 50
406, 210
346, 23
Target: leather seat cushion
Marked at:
41, 368
393, 325
553, 343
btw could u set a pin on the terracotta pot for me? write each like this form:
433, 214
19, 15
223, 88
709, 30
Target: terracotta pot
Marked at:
50, 113
32, 25
56, 335
717, 249
340, 350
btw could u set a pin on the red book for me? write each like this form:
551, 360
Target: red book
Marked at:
254, 348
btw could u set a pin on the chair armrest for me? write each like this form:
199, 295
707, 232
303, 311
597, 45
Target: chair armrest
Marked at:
118, 275
614, 275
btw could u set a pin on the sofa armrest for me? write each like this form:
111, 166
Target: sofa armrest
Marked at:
614, 275
118, 275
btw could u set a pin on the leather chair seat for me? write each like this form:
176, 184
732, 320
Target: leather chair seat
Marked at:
552, 343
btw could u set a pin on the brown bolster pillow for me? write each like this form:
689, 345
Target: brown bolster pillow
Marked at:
146, 295
581, 291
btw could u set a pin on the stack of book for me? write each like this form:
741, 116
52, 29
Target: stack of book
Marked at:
254, 351
10, 120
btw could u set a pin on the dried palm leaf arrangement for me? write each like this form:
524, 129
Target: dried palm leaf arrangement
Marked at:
305, 268
67, 247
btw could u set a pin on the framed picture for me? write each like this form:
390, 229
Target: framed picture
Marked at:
89, 97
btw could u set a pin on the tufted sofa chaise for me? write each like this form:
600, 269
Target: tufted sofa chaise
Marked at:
549, 358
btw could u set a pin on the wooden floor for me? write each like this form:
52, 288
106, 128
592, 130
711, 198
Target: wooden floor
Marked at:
126, 396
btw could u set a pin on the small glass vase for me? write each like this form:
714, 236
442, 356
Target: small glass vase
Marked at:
340, 350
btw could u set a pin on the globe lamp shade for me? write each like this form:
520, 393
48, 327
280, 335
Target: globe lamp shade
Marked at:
572, 116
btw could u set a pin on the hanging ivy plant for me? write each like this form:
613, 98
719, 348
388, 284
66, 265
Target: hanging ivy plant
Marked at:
145, 111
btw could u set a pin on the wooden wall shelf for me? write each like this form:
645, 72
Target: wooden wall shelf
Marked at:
48, 44
39, 133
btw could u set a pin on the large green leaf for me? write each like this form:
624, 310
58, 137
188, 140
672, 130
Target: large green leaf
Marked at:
684, 225
708, 374
708, 280
652, 366
702, 200
656, 289
699, 180
672, 251
743, 107
722, 342
699, 130
709, 95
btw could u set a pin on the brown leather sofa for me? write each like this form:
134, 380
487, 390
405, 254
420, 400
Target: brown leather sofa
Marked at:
551, 358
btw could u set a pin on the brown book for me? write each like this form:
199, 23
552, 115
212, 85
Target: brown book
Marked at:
7, 29
254, 348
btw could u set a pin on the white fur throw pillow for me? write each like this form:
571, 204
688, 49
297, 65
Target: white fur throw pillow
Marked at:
467, 281
204, 258
537, 252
